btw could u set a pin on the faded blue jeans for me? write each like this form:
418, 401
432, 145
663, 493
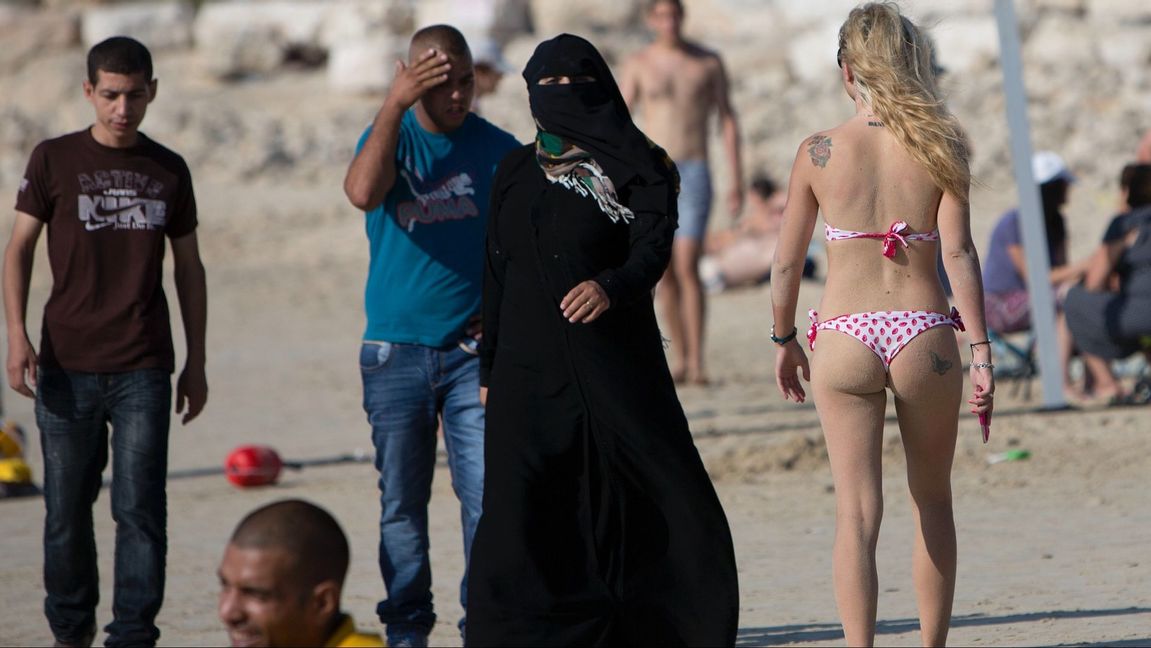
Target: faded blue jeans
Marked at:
73, 411
407, 387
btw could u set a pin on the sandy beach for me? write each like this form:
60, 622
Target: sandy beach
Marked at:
1052, 549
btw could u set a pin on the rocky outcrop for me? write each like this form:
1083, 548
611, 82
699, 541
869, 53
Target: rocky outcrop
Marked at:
366, 65
587, 18
278, 90
162, 25
27, 32
238, 38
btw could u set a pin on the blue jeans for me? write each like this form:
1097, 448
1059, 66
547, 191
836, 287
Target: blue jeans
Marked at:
407, 387
73, 411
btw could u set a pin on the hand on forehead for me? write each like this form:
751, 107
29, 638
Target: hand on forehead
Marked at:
416, 54
441, 38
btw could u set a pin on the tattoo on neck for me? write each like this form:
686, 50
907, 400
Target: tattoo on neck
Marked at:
819, 148
877, 124
939, 365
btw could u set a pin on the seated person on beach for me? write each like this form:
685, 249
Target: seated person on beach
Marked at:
741, 255
1006, 299
1124, 202
1114, 324
490, 68
281, 579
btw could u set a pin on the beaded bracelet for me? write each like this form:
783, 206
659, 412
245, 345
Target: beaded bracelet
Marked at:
785, 339
982, 365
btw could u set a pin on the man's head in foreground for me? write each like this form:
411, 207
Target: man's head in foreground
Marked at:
281, 576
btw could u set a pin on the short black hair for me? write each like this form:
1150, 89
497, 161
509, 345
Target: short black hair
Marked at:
763, 186
1125, 175
314, 541
1139, 186
119, 55
444, 38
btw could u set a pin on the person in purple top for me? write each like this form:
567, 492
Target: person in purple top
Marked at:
1005, 284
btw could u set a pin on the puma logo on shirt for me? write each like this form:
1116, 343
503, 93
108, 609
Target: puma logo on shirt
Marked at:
444, 201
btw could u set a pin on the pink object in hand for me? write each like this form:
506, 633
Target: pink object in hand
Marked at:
985, 423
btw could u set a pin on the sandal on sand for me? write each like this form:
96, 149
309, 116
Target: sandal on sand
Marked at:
1125, 400
1141, 393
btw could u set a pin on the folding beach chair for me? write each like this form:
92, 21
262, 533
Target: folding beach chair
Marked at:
1014, 361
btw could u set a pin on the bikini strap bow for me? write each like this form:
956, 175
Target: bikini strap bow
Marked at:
892, 236
958, 321
814, 317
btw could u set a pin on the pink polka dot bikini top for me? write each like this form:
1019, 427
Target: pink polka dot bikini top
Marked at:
890, 237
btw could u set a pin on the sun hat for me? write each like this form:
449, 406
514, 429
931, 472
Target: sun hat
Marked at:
1047, 166
488, 52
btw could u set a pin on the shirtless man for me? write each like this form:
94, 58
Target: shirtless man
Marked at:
677, 86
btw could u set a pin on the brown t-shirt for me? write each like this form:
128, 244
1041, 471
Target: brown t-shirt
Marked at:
108, 211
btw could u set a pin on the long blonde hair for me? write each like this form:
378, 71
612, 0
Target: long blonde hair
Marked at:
894, 72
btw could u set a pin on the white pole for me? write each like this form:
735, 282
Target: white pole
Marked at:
1030, 208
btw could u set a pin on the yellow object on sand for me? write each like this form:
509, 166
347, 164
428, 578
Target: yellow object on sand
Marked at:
14, 471
10, 443
346, 636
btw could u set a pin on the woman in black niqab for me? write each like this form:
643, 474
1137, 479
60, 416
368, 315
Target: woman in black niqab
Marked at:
600, 524
591, 114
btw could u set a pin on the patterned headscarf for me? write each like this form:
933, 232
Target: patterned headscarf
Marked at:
573, 168
588, 141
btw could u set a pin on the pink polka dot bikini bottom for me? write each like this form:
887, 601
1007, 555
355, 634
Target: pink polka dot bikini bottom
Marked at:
884, 332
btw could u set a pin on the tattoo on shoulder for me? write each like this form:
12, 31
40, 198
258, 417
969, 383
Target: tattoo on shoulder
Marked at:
939, 365
875, 123
819, 148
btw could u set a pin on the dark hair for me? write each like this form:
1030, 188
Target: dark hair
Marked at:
650, 5
119, 55
444, 38
310, 535
1054, 195
1139, 185
1125, 175
763, 186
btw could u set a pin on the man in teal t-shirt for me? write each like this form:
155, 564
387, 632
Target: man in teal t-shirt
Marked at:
422, 173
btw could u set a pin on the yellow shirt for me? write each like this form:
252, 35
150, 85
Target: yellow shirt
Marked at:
346, 636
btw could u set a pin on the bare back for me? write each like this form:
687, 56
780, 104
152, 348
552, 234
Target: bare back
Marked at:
676, 91
864, 180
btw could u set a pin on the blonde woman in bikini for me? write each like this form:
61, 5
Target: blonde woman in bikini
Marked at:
892, 184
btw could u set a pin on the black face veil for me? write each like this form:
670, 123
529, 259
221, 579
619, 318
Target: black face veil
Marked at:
591, 115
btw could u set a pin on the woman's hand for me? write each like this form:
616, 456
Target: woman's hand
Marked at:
585, 303
983, 381
788, 359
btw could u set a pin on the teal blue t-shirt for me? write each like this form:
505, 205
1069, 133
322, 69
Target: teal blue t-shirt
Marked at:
427, 237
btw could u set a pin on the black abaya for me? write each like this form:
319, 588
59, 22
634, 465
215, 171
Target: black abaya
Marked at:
600, 524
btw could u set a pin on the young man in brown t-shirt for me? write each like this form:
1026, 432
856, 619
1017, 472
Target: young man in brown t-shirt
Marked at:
109, 197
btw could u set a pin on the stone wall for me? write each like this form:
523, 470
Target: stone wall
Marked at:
277, 90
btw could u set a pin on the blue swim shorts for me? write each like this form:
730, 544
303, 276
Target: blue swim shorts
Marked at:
694, 199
